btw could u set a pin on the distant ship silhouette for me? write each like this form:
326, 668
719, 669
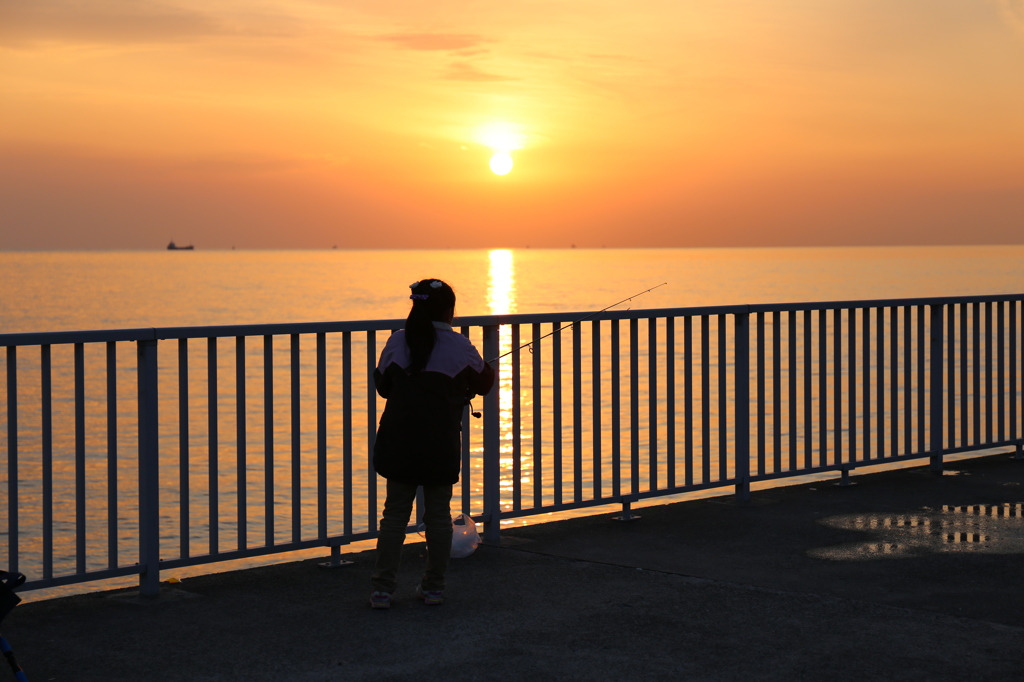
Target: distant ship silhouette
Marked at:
174, 247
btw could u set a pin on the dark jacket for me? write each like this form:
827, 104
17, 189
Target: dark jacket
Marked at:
419, 440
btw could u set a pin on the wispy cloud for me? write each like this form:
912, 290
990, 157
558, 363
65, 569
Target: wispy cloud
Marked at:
103, 21
1013, 12
461, 71
121, 21
444, 42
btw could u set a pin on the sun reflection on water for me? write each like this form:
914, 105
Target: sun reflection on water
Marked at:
501, 289
501, 298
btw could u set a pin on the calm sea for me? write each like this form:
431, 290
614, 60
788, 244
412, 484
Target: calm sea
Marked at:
109, 290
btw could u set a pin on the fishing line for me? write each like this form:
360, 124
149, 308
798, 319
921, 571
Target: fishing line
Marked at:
575, 322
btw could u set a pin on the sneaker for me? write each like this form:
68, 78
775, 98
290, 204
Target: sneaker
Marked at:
430, 597
380, 600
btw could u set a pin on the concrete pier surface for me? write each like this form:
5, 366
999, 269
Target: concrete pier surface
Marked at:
907, 575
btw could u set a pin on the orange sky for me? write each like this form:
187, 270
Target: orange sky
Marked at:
312, 123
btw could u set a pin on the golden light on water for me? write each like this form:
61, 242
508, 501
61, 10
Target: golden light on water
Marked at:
501, 288
501, 298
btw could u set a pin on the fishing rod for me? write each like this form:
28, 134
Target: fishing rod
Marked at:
575, 322
469, 403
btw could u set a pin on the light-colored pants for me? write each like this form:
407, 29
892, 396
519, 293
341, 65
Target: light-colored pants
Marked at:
437, 517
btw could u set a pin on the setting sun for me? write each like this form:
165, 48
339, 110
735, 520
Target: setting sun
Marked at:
501, 163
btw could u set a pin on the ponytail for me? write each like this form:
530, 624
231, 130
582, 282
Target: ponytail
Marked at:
431, 301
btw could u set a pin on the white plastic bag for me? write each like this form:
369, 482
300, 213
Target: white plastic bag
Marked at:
464, 536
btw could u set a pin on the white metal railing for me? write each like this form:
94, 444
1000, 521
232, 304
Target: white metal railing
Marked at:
208, 444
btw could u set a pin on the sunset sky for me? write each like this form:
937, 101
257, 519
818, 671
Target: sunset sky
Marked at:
371, 123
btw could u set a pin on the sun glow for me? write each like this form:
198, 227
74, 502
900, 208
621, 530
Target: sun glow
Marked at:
501, 137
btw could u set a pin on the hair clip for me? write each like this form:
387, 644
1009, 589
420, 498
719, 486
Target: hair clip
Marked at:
414, 284
419, 297
436, 284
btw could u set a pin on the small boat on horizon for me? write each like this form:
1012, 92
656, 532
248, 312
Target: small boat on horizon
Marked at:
174, 247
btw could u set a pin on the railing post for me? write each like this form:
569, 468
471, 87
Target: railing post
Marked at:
492, 445
741, 390
935, 417
149, 471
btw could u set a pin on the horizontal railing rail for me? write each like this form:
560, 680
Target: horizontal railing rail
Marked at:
209, 444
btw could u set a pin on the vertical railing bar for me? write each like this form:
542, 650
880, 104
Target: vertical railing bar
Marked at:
922, 376
538, 418
214, 445
467, 447
13, 531
777, 390
241, 445
688, 397
951, 387
347, 442
792, 375
492, 443
1013, 371
808, 336
268, 440
908, 380
80, 482
837, 385
1001, 368
822, 387
705, 397
556, 411
46, 393
976, 369
1018, 355
880, 379
935, 387
321, 435
616, 399
761, 407
894, 380
652, 402
723, 401
965, 387
989, 312
670, 400
866, 385
371, 430
595, 373
577, 411
112, 467
296, 434
741, 391
517, 421
634, 405
184, 494
851, 401
149, 469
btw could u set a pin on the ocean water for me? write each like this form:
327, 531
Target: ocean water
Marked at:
110, 290
43, 291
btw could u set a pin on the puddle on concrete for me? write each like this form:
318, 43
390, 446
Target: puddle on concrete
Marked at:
997, 529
